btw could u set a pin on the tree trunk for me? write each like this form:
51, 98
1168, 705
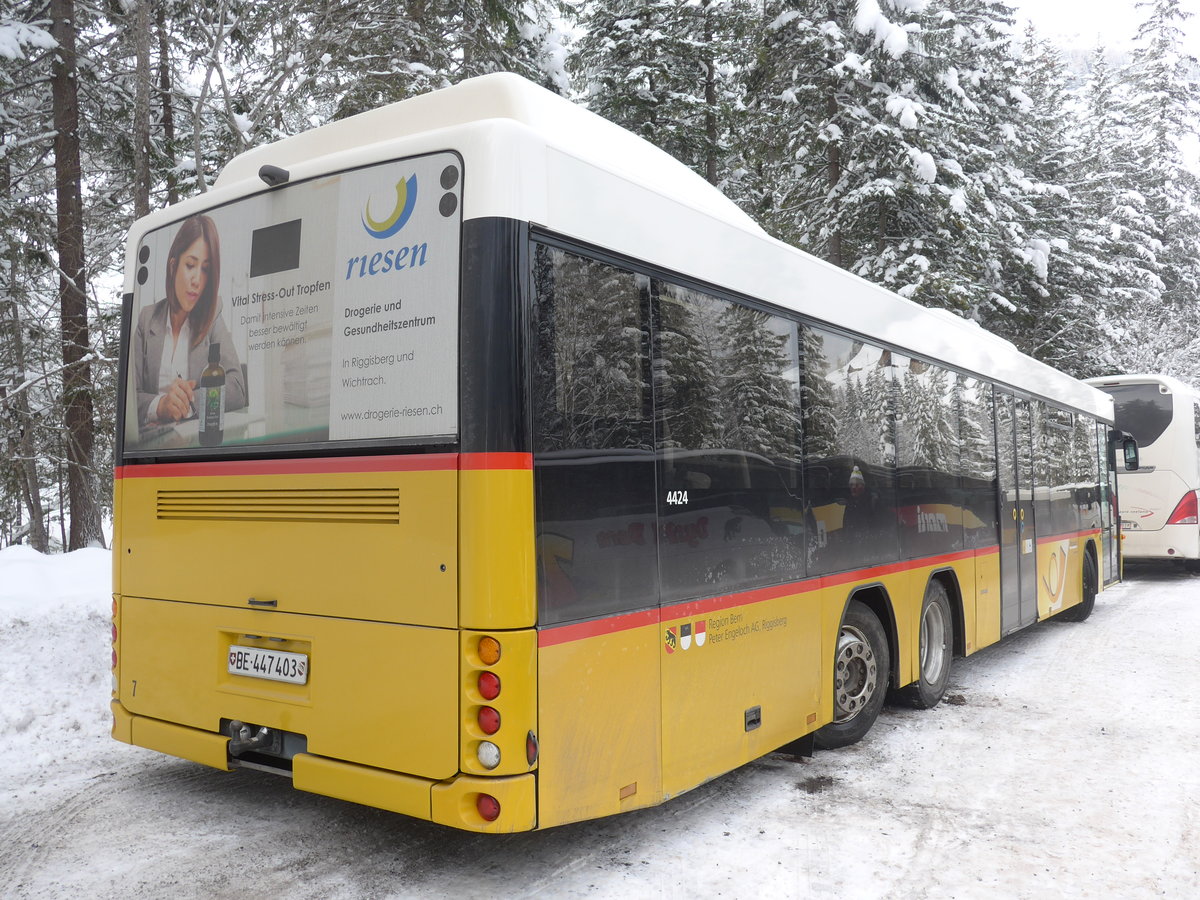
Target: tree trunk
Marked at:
141, 109
198, 116
833, 177
62, 501
710, 99
79, 418
168, 107
22, 450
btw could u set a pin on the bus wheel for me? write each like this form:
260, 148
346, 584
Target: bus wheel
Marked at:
937, 649
1091, 584
860, 676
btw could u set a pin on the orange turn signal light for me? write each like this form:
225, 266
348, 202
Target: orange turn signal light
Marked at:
489, 650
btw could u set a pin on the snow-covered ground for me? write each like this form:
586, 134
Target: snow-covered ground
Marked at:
1064, 762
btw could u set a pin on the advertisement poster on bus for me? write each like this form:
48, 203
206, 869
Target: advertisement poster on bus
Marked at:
321, 311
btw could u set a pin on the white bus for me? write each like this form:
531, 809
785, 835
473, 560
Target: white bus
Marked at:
1158, 505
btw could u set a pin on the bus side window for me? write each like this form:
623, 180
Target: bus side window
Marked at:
1084, 474
850, 445
930, 497
726, 394
593, 439
1196, 429
978, 464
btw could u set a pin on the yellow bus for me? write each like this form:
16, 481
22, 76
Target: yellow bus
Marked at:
482, 463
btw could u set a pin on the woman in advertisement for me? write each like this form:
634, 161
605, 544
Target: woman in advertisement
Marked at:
173, 337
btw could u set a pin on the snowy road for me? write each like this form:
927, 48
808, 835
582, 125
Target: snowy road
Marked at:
1065, 761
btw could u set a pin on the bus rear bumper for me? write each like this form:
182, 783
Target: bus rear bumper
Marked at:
203, 747
453, 803
404, 794
1168, 542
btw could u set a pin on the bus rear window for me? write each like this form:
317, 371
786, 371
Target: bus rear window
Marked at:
320, 312
1142, 410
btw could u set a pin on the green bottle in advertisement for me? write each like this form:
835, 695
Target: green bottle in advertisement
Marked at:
212, 393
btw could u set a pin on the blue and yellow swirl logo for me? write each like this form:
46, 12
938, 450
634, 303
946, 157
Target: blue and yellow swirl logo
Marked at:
406, 201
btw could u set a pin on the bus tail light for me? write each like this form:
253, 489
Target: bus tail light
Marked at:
1186, 512
489, 651
489, 685
489, 720
488, 807
497, 702
489, 754
531, 747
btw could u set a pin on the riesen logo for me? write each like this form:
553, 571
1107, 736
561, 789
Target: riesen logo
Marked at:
406, 201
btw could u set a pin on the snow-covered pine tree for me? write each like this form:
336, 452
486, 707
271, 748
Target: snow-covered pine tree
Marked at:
1118, 236
1062, 290
997, 232
499, 36
1162, 103
894, 119
669, 71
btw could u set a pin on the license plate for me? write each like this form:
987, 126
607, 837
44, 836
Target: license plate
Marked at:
275, 665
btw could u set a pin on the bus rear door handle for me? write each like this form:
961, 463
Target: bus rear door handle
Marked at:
253, 602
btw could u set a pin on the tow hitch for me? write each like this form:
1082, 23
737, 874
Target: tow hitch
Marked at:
260, 747
245, 738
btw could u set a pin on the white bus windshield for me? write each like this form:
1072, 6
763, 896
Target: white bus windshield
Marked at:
324, 311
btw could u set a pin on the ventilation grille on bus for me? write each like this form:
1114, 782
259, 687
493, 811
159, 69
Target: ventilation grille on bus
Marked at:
369, 505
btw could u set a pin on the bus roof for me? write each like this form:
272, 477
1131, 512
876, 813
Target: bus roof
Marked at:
533, 156
499, 96
1176, 386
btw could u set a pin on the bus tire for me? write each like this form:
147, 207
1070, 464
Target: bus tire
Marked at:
1091, 585
860, 677
936, 649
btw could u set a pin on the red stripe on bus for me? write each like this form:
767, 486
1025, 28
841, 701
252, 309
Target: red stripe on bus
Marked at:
567, 633
476, 461
433, 462
563, 634
1068, 536
430, 462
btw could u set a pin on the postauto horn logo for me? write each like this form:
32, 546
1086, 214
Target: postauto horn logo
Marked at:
406, 201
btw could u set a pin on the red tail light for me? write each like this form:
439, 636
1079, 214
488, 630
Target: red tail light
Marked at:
489, 685
1186, 512
488, 806
489, 720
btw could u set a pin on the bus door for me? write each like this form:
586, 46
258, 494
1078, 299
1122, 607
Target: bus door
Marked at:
1018, 540
1108, 482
